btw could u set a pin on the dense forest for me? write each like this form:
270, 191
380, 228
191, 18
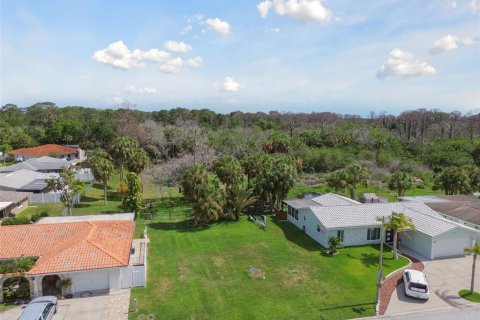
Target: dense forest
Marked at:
415, 147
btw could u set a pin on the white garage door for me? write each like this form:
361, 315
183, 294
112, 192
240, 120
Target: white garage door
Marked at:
91, 280
451, 243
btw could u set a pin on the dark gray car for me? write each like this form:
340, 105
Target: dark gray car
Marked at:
41, 308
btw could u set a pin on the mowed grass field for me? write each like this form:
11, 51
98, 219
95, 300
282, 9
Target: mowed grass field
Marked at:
203, 273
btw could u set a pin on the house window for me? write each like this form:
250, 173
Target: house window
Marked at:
373, 234
296, 214
318, 228
289, 210
340, 234
19, 204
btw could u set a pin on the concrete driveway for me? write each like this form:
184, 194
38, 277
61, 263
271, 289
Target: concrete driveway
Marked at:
445, 278
110, 306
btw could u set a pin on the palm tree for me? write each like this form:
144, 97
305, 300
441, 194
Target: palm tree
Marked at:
337, 180
228, 170
401, 181
333, 244
102, 169
138, 161
209, 205
474, 251
122, 149
453, 180
397, 222
356, 174
241, 198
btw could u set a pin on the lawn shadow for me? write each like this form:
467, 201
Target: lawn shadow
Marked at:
296, 236
359, 308
179, 226
89, 199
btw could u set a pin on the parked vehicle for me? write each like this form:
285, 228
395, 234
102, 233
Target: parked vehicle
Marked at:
415, 284
42, 308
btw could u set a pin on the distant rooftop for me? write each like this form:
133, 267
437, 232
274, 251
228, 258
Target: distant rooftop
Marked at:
44, 150
328, 199
44, 163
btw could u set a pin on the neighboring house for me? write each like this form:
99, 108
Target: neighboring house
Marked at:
459, 208
25, 180
12, 202
63, 152
369, 198
43, 164
356, 224
94, 255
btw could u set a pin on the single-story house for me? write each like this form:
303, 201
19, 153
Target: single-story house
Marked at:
63, 152
12, 202
459, 208
95, 255
43, 164
357, 224
25, 180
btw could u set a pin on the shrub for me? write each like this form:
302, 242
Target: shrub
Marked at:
15, 221
37, 216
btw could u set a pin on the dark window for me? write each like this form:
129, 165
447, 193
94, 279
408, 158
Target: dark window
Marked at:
419, 287
373, 234
318, 228
296, 214
340, 234
46, 311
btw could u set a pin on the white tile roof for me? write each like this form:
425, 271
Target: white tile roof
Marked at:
426, 220
332, 199
16, 180
38, 164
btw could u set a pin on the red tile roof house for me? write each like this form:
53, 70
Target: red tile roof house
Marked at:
63, 152
94, 255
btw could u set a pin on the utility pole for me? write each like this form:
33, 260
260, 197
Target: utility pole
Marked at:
380, 264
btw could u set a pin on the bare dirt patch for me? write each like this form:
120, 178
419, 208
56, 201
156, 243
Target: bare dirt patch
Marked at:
164, 285
293, 276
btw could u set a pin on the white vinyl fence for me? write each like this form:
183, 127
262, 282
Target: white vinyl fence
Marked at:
84, 176
36, 198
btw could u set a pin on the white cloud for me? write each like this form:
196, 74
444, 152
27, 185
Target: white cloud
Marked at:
219, 26
446, 43
134, 90
273, 30
453, 4
450, 43
302, 10
468, 41
177, 47
186, 30
172, 66
119, 56
403, 64
473, 6
153, 55
229, 85
194, 62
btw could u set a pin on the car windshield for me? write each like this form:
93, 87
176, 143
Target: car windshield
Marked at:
419, 287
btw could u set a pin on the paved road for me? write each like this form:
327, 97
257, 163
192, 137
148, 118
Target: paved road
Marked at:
445, 278
112, 306
465, 313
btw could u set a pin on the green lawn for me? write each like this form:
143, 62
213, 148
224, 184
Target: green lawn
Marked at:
202, 274
468, 295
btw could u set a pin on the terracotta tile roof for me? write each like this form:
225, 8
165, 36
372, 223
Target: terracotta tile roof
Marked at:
45, 150
74, 246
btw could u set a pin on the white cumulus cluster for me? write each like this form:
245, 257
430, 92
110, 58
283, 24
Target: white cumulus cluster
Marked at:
134, 90
229, 84
119, 56
177, 47
450, 43
219, 26
403, 64
302, 10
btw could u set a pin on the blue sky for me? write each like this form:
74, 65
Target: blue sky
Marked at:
286, 55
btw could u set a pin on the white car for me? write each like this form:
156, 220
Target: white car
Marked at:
415, 284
